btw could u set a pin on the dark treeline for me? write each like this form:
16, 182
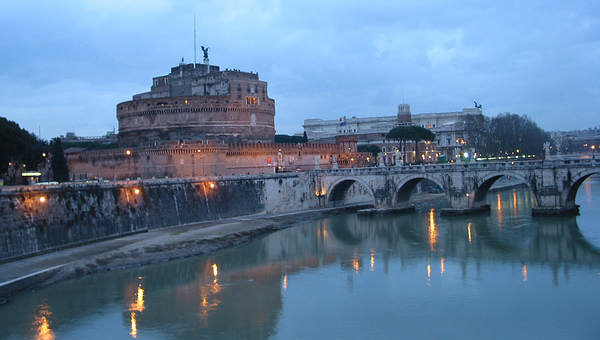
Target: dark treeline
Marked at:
17, 145
505, 134
290, 139
21, 150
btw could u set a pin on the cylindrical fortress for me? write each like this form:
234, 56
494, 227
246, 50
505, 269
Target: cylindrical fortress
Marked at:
192, 104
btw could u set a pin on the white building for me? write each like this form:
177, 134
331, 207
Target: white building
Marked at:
449, 127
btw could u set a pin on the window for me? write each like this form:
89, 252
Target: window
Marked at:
251, 100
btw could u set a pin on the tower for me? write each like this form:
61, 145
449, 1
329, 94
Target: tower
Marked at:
404, 117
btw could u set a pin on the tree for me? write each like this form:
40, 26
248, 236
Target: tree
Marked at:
410, 133
18, 145
514, 134
58, 161
400, 134
372, 148
288, 139
421, 134
477, 129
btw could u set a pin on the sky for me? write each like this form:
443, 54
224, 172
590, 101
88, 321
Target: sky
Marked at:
65, 65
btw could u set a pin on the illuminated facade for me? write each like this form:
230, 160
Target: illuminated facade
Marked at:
199, 102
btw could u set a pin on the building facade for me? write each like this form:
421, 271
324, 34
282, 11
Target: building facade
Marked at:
199, 102
200, 121
450, 128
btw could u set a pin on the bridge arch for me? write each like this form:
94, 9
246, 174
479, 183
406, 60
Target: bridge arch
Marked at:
482, 190
571, 193
407, 185
336, 192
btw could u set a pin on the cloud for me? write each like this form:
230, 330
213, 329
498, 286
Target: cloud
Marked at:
321, 59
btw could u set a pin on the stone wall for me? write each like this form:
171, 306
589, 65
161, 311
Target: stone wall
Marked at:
37, 218
209, 159
34, 219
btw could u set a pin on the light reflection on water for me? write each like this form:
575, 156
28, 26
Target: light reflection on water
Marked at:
350, 274
42, 324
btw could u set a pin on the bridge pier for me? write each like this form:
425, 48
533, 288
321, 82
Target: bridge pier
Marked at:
464, 204
552, 204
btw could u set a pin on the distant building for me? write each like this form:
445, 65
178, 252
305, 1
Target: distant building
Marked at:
449, 128
109, 138
578, 141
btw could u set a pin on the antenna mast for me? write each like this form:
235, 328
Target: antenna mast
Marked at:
194, 40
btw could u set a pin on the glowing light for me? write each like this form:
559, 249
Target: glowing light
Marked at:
428, 271
499, 202
524, 272
31, 174
284, 284
211, 185
514, 197
43, 154
442, 266
518, 150
42, 199
433, 234
138, 306
42, 324
133, 326
469, 232
215, 270
355, 264
499, 205
136, 191
128, 152
372, 260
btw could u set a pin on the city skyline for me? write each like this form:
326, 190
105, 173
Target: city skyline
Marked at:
68, 71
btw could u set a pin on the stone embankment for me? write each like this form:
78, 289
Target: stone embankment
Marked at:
142, 249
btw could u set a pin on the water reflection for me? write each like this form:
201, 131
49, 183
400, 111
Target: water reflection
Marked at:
433, 234
133, 322
41, 324
469, 232
442, 266
242, 292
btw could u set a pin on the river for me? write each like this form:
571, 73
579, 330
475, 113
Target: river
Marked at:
419, 276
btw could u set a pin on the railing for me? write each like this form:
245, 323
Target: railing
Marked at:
478, 166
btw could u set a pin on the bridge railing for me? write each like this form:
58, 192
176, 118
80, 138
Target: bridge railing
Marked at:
513, 165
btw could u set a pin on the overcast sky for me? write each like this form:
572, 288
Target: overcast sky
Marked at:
64, 65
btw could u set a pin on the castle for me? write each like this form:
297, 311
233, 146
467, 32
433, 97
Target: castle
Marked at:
201, 121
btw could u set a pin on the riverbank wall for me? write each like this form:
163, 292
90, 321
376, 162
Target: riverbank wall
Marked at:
38, 219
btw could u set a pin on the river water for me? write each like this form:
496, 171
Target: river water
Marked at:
416, 276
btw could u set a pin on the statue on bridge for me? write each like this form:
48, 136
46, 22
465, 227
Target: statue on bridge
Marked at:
547, 149
380, 160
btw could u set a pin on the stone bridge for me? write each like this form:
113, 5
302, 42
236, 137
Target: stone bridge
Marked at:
553, 182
